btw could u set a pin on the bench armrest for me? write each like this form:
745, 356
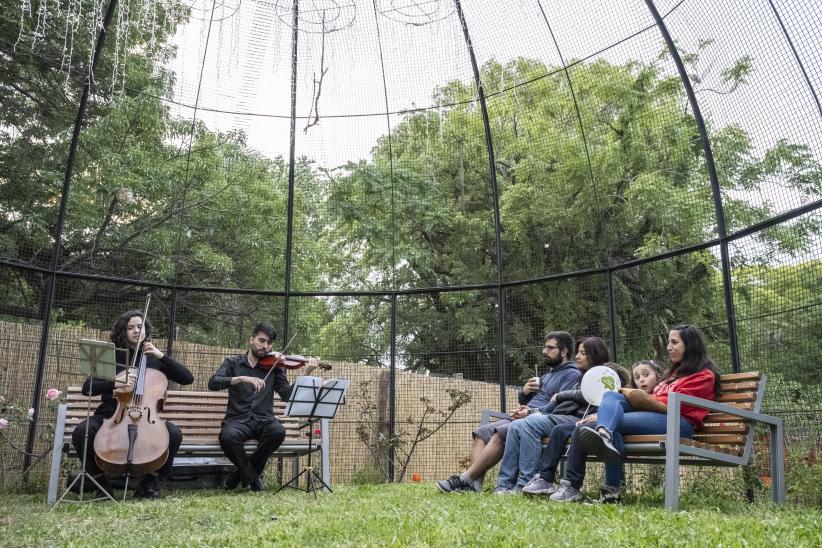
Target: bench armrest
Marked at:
489, 415
676, 399
672, 449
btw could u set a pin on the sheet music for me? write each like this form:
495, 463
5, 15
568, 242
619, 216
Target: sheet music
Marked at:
327, 395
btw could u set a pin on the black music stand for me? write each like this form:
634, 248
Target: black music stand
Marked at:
98, 360
313, 399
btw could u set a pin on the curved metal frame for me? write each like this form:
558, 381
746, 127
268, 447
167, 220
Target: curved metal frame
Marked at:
53, 272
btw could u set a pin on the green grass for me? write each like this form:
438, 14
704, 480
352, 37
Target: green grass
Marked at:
398, 515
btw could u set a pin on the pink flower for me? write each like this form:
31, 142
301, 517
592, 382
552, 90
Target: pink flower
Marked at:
53, 393
4, 424
317, 432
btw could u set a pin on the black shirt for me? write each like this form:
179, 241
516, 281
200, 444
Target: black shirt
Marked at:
171, 368
243, 402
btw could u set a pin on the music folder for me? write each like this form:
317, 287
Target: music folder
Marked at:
316, 397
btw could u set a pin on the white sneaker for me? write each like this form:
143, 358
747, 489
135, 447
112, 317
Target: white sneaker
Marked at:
539, 486
566, 493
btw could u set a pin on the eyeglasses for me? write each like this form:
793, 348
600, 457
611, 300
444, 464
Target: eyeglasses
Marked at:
550, 347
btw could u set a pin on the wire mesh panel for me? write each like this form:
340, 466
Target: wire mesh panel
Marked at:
39, 109
684, 289
378, 227
753, 91
21, 331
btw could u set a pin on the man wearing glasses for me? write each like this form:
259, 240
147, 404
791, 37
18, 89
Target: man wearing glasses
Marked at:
489, 439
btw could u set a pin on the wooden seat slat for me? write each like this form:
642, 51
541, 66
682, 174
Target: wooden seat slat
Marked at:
726, 387
737, 397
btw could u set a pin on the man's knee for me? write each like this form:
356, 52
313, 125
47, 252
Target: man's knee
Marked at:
230, 435
273, 431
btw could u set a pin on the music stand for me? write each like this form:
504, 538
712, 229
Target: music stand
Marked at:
313, 399
98, 359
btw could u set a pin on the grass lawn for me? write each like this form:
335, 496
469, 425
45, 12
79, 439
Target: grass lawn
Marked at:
398, 515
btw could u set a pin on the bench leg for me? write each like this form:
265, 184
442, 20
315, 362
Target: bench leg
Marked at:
326, 463
777, 463
57, 454
672, 457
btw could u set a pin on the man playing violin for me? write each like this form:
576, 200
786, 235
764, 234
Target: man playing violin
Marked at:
126, 337
250, 411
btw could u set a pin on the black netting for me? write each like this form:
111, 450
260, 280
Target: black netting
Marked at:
417, 192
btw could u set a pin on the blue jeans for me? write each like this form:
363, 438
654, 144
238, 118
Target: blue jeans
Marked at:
523, 447
617, 415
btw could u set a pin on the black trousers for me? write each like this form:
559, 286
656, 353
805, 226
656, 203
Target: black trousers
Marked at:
269, 434
93, 425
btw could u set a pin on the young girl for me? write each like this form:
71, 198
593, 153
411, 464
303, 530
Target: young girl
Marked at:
646, 375
691, 372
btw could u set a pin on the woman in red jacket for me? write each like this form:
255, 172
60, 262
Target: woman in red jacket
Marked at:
691, 372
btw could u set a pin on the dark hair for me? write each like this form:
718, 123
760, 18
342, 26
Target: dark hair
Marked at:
595, 349
650, 363
119, 331
624, 374
695, 358
266, 328
564, 340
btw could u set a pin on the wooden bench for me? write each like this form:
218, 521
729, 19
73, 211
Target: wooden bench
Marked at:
726, 439
199, 416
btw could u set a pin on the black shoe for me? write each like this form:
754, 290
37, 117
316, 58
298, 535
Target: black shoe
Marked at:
232, 480
147, 488
597, 443
455, 485
257, 484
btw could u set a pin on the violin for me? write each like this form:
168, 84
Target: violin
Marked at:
278, 359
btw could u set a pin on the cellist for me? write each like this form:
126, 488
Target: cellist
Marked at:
126, 337
250, 414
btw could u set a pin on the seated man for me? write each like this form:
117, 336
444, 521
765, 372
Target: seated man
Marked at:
250, 411
489, 439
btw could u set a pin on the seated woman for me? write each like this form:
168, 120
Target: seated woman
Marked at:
691, 372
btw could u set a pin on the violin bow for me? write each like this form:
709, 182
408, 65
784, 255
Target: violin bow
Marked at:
294, 336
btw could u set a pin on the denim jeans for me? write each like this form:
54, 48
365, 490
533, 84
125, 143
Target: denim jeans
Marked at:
617, 415
523, 447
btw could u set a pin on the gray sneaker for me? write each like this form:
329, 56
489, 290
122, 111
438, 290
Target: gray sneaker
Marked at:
507, 490
538, 486
566, 493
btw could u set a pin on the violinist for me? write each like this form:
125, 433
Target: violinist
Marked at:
126, 337
250, 413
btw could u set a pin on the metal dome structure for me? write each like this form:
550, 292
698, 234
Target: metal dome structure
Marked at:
419, 189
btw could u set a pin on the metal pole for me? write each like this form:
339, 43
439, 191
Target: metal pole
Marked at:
291, 168
492, 172
612, 317
727, 282
392, 387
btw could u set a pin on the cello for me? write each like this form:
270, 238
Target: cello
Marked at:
135, 439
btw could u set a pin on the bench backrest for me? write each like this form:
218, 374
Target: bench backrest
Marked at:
197, 414
727, 433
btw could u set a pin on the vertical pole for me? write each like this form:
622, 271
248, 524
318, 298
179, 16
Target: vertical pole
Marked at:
51, 283
392, 386
727, 282
612, 317
295, 12
492, 173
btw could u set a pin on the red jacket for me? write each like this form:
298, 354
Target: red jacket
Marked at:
700, 384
